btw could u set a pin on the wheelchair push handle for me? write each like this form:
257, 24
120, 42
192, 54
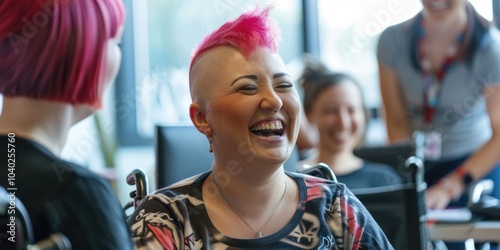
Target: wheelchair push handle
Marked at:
138, 178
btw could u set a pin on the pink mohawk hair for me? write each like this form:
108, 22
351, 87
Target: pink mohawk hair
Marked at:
251, 30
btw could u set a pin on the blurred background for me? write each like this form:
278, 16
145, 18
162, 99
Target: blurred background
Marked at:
152, 86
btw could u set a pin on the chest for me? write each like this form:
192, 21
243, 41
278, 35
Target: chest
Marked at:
435, 53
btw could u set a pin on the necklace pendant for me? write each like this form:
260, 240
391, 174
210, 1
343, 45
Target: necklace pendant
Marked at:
259, 234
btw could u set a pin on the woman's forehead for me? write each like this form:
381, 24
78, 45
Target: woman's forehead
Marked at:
228, 62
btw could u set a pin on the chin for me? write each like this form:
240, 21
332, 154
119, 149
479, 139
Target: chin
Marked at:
439, 12
277, 158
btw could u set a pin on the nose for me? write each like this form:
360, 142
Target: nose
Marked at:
271, 100
343, 119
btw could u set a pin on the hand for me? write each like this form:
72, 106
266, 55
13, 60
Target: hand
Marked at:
441, 194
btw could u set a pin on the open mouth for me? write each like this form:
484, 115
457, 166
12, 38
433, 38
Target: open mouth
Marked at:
268, 128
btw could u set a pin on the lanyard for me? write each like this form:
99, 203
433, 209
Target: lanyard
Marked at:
433, 80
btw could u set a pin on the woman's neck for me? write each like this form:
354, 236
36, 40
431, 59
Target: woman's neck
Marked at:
251, 189
241, 209
45, 122
343, 162
445, 26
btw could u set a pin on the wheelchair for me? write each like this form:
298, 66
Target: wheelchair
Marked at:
20, 229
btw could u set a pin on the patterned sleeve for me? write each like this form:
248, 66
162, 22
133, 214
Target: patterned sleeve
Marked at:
360, 231
154, 225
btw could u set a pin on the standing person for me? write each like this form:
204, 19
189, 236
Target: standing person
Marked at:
57, 58
245, 102
334, 108
439, 73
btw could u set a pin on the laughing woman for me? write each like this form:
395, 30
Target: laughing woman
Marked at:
247, 106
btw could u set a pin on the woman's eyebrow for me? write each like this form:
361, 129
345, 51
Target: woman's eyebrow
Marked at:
252, 77
278, 75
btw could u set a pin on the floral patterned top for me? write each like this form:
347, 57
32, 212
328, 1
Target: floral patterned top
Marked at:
328, 216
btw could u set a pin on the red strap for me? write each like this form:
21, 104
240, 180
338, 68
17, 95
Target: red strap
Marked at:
428, 113
461, 172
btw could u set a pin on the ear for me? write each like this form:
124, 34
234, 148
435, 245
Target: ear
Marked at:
198, 117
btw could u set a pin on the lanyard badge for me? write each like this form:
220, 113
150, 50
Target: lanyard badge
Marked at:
433, 139
432, 83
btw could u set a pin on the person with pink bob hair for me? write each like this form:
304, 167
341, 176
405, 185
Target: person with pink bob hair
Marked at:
245, 103
57, 58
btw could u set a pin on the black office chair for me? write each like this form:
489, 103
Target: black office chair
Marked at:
18, 230
182, 151
399, 209
396, 155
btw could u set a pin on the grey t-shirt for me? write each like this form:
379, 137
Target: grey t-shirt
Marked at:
461, 115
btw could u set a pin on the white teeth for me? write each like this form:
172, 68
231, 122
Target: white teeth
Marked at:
268, 126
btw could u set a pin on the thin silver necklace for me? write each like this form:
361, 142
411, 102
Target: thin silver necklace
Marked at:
258, 232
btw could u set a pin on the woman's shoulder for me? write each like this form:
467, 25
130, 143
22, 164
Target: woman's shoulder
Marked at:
381, 170
370, 165
401, 29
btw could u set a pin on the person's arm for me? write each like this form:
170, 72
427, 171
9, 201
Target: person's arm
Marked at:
396, 120
477, 165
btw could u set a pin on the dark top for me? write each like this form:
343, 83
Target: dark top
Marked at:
370, 175
328, 216
62, 197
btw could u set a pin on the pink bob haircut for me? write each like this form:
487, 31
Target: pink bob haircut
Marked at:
251, 30
56, 49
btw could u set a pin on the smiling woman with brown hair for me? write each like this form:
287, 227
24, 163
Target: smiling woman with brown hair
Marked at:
334, 109
245, 102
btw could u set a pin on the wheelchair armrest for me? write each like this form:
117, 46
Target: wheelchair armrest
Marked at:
56, 241
478, 189
26, 239
22, 217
